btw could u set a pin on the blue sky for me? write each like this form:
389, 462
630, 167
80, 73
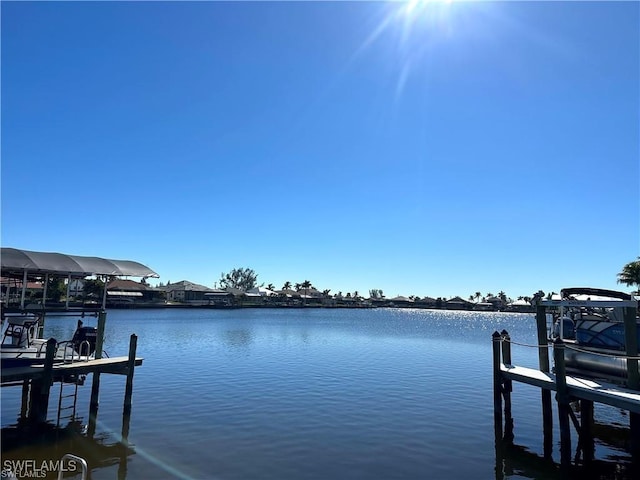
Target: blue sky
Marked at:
453, 148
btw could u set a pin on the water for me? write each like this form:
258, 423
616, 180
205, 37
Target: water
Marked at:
307, 394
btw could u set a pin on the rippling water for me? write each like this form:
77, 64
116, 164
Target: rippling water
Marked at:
311, 394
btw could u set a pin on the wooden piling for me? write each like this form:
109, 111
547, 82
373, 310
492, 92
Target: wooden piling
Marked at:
562, 397
24, 406
586, 430
497, 388
543, 358
128, 392
95, 381
40, 389
507, 388
102, 321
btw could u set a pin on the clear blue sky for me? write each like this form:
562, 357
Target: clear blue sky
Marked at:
453, 148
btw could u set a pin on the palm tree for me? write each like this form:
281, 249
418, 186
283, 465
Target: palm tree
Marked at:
286, 286
477, 295
630, 274
271, 287
306, 284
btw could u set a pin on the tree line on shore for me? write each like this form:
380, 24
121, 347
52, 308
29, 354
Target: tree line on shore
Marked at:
245, 279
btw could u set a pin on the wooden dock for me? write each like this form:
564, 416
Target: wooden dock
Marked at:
59, 371
579, 388
584, 387
36, 380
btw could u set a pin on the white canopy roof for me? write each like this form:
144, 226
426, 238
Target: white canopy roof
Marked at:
15, 262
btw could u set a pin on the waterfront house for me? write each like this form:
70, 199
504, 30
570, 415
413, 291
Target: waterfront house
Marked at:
122, 292
521, 305
401, 301
458, 303
497, 302
187, 292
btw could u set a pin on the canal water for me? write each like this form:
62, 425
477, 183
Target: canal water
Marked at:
307, 394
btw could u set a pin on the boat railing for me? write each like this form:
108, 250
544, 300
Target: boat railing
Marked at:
69, 354
41, 350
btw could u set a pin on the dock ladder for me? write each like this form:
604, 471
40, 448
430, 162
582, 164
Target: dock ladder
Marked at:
70, 401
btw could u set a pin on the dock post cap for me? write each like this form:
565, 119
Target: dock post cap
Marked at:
496, 335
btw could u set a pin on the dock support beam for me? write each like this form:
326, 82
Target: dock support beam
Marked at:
128, 391
497, 388
24, 407
40, 389
95, 382
586, 431
507, 389
543, 358
562, 397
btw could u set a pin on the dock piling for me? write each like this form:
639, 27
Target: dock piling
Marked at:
543, 359
507, 388
40, 389
95, 381
562, 397
586, 430
128, 391
497, 388
24, 405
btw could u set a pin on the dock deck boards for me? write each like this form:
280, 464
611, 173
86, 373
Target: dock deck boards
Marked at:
586, 389
115, 365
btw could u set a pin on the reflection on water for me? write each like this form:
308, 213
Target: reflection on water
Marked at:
316, 394
237, 338
516, 461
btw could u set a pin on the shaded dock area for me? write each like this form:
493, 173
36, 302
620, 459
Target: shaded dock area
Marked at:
36, 381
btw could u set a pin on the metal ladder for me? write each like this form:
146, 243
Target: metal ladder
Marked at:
72, 407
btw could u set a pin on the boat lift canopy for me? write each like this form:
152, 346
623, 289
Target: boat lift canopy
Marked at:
25, 264
15, 263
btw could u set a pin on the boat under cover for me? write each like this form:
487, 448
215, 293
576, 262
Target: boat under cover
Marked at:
591, 323
22, 346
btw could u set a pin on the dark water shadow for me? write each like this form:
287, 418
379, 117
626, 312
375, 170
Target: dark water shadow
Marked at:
37, 449
512, 459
